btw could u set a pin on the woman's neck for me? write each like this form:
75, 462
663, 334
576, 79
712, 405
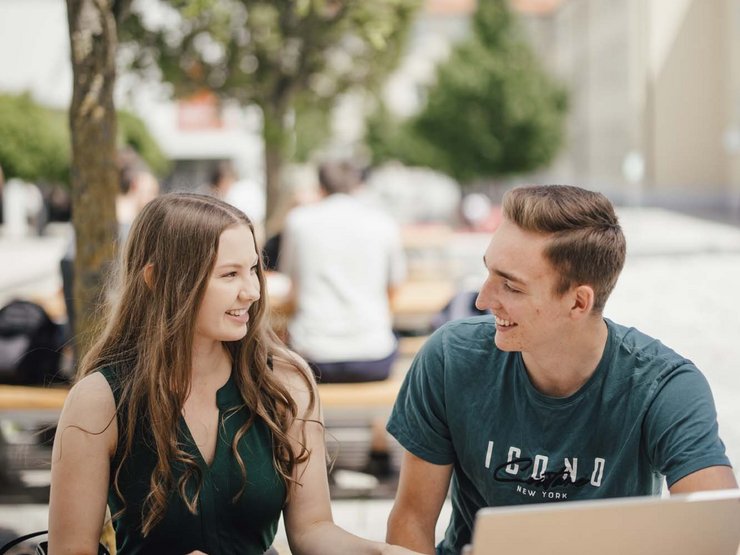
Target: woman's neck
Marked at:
210, 362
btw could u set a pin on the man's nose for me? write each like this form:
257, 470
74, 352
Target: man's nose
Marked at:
486, 299
480, 301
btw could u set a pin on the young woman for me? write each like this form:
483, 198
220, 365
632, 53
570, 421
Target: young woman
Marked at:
190, 419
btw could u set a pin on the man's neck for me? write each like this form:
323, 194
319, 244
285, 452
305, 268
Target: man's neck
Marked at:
563, 370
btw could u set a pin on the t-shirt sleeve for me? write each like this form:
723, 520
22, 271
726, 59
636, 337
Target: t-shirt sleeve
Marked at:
681, 427
419, 419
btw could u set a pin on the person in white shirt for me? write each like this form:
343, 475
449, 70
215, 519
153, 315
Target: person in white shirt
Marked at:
344, 259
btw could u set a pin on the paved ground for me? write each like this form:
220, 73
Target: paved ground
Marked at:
680, 284
29, 267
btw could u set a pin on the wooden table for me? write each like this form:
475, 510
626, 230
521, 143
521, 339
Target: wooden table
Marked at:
416, 302
421, 297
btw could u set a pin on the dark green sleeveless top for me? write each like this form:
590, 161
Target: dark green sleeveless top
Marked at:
221, 526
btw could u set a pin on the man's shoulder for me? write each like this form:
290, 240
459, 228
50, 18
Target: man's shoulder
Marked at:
332, 207
644, 351
473, 335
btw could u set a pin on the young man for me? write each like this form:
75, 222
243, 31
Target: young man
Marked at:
547, 401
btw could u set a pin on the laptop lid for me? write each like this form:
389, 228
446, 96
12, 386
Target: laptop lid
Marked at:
693, 524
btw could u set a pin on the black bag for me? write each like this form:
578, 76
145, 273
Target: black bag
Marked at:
40, 547
30, 345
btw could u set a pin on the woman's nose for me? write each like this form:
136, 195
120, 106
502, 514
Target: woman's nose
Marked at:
250, 291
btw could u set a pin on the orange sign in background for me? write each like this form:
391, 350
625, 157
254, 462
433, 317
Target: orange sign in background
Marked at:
199, 112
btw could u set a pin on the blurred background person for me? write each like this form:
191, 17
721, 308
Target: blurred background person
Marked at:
222, 177
248, 196
298, 196
137, 186
344, 260
244, 194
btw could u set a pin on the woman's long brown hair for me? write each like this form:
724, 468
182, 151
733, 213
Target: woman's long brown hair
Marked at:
149, 338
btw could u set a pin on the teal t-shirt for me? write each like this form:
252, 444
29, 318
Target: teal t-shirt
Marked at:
645, 413
225, 522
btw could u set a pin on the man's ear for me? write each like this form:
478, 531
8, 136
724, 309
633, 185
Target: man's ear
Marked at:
149, 275
583, 300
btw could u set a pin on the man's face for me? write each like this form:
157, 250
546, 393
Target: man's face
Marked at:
520, 291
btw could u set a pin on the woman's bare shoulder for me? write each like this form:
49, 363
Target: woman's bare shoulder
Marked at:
90, 400
296, 376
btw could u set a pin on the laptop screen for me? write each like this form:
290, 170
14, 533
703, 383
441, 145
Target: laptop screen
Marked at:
694, 524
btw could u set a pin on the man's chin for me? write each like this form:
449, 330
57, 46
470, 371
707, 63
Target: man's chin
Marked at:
504, 345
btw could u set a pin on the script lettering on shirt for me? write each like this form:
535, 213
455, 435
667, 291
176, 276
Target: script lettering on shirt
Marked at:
532, 472
544, 479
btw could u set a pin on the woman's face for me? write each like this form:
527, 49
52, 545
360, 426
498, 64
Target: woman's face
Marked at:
232, 288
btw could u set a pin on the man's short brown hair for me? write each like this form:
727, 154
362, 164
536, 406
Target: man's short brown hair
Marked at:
587, 246
338, 177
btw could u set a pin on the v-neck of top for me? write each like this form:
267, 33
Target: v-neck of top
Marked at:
227, 397
234, 513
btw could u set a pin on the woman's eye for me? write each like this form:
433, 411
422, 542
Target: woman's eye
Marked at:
253, 269
230, 274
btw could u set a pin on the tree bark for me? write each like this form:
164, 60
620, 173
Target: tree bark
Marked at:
93, 40
274, 136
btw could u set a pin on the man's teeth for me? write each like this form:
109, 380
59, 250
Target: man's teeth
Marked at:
240, 312
502, 322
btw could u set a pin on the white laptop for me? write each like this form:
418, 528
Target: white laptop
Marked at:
706, 523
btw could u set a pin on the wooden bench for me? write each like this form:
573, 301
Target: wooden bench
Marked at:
373, 395
31, 406
348, 408
20, 398
359, 396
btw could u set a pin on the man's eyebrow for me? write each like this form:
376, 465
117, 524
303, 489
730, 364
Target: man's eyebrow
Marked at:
510, 277
505, 275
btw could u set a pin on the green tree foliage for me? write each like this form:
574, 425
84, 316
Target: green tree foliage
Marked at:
34, 141
133, 132
279, 55
492, 112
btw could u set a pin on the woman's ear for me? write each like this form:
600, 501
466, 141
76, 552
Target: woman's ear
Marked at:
149, 275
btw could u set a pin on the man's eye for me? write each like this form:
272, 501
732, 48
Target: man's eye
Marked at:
510, 288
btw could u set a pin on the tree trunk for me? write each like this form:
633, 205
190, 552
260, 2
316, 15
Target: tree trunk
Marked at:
93, 39
274, 136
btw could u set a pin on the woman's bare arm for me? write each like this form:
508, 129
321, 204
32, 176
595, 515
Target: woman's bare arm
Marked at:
308, 519
85, 441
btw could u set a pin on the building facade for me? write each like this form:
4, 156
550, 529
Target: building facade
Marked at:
654, 95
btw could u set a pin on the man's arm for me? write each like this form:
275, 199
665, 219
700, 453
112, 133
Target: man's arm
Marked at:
713, 477
422, 490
